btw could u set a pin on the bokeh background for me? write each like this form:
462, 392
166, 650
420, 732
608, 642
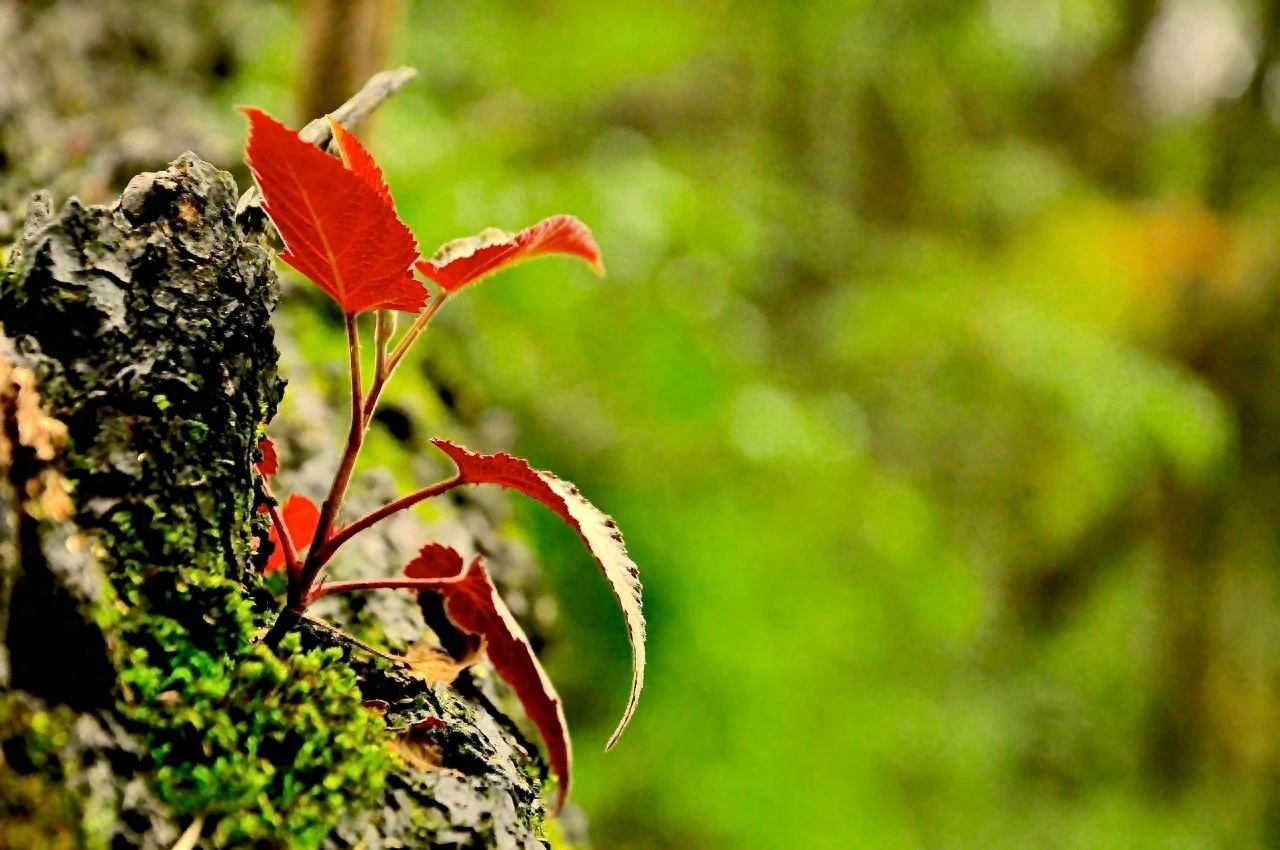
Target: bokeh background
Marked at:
935, 383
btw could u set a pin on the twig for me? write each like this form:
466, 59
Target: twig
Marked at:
190, 836
351, 640
377, 91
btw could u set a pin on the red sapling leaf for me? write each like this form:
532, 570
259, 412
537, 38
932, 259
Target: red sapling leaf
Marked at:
471, 258
435, 560
597, 530
301, 516
270, 463
473, 605
359, 161
339, 229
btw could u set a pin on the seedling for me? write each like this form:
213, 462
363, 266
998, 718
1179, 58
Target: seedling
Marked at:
341, 231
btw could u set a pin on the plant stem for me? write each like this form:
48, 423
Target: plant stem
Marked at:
303, 576
346, 466
384, 327
345, 533
291, 562
285, 621
359, 584
388, 366
416, 329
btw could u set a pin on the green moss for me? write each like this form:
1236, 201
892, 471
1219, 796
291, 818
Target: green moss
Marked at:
266, 748
270, 751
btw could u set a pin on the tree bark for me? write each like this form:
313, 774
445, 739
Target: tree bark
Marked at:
135, 702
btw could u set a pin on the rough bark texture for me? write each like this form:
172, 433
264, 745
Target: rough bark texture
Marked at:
133, 698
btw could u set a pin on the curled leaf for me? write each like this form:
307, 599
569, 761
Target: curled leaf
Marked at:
473, 605
472, 258
339, 227
301, 517
597, 530
435, 666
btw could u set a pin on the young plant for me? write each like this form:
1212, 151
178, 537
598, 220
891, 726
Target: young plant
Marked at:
341, 231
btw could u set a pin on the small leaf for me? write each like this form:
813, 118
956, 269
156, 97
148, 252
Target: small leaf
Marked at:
598, 531
473, 605
270, 463
471, 258
435, 560
340, 230
301, 517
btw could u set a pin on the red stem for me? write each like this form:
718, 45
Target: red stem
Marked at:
345, 533
359, 584
389, 362
303, 576
346, 466
291, 562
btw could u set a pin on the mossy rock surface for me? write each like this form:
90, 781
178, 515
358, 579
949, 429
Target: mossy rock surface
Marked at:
136, 699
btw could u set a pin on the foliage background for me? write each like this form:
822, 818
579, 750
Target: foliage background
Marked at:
936, 385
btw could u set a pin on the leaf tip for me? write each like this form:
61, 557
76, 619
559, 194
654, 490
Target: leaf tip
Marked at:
562, 795
597, 530
637, 685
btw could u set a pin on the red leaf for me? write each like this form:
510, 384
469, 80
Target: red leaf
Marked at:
597, 530
435, 560
471, 258
473, 604
359, 161
301, 516
339, 229
270, 463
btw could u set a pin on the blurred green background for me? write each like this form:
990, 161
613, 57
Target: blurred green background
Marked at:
936, 386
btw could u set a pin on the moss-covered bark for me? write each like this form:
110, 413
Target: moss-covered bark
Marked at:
136, 699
